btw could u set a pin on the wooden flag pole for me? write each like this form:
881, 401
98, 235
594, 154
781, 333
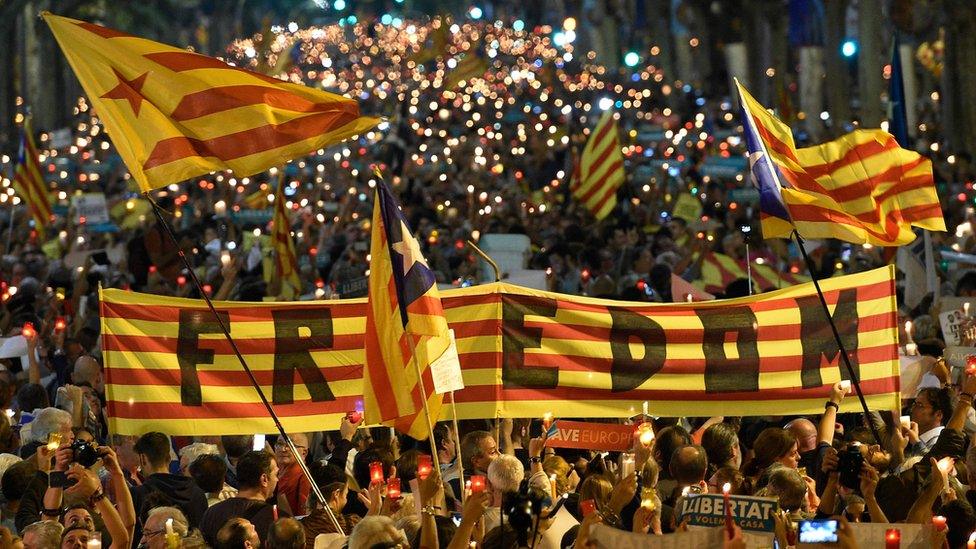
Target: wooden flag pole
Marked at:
840, 344
457, 445
257, 387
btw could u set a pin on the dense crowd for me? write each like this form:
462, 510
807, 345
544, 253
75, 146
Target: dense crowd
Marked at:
493, 156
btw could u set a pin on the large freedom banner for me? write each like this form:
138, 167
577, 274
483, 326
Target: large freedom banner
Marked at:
522, 352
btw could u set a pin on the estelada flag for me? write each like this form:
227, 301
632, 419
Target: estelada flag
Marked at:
861, 187
174, 114
285, 266
29, 181
404, 323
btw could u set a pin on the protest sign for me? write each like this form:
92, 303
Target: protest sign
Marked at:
90, 208
606, 537
950, 321
750, 513
610, 437
522, 352
446, 370
687, 207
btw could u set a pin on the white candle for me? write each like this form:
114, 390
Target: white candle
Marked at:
965, 309
908, 330
690, 298
911, 349
906, 421
845, 384
645, 407
169, 527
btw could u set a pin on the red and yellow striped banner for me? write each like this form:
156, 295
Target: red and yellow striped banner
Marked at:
523, 352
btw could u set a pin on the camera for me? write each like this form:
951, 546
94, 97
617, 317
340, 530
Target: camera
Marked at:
522, 510
84, 453
849, 466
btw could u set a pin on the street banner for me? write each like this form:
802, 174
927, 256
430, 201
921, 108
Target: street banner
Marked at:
750, 513
609, 437
522, 352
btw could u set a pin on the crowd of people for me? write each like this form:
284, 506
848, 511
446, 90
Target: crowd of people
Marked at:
493, 156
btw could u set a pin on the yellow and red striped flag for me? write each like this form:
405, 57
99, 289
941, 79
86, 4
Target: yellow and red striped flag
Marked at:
719, 270
173, 114
860, 188
471, 66
600, 170
286, 266
439, 39
405, 323
29, 181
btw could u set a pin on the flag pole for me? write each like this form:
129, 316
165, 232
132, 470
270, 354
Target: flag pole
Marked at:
233, 344
423, 396
457, 445
833, 327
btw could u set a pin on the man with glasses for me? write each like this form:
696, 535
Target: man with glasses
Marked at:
292, 482
931, 409
154, 451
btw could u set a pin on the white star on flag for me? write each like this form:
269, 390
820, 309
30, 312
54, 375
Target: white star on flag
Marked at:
409, 248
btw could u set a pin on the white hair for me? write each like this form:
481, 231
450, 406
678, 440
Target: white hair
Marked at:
180, 525
47, 421
192, 451
506, 473
374, 530
6, 460
47, 531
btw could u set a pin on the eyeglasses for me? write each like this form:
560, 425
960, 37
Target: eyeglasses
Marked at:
149, 534
920, 404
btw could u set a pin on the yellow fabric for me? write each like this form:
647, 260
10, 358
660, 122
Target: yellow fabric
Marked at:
138, 86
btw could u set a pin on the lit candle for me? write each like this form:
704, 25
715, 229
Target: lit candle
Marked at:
53, 441
274, 511
965, 309
172, 540
477, 484
28, 330
225, 258
945, 464
376, 472
906, 421
220, 208
645, 408
546, 421
552, 486
846, 385
939, 522
626, 465
971, 365
690, 298
911, 349
425, 464
587, 507
908, 333
726, 489
60, 324
354, 416
971, 544
892, 538
646, 434
393, 488
94, 542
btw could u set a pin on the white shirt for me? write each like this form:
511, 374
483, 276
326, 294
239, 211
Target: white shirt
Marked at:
927, 439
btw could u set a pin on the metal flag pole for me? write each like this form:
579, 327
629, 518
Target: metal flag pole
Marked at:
233, 344
840, 344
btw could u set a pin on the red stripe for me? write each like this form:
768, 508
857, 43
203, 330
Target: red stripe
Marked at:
259, 313
219, 378
181, 61
227, 410
255, 140
224, 98
856, 154
258, 345
104, 32
488, 393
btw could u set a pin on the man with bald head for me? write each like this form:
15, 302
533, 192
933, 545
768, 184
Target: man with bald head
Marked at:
688, 466
812, 441
88, 370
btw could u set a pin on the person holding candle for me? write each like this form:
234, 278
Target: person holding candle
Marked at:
930, 410
155, 531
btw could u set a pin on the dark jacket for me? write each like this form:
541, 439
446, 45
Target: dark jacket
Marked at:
168, 489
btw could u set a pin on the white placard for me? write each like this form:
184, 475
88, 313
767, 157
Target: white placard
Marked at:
91, 206
446, 370
11, 347
950, 321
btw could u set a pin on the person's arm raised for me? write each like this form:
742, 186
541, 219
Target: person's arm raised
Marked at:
828, 421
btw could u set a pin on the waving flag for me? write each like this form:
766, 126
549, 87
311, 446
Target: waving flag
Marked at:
286, 266
29, 181
860, 188
173, 114
600, 170
404, 323
471, 66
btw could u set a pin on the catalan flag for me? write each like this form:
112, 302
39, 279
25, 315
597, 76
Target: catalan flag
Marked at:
439, 38
257, 200
173, 114
404, 323
29, 181
522, 352
860, 188
719, 270
600, 170
471, 66
285, 264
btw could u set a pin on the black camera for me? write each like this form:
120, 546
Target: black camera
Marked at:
849, 465
522, 510
84, 453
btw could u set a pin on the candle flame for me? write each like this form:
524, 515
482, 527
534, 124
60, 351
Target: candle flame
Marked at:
726, 488
972, 537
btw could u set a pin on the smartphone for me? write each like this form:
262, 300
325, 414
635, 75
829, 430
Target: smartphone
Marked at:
849, 465
818, 531
59, 479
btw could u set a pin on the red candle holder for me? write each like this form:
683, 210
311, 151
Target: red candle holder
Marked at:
354, 416
587, 507
477, 484
425, 465
892, 538
393, 488
376, 472
939, 522
60, 324
28, 330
